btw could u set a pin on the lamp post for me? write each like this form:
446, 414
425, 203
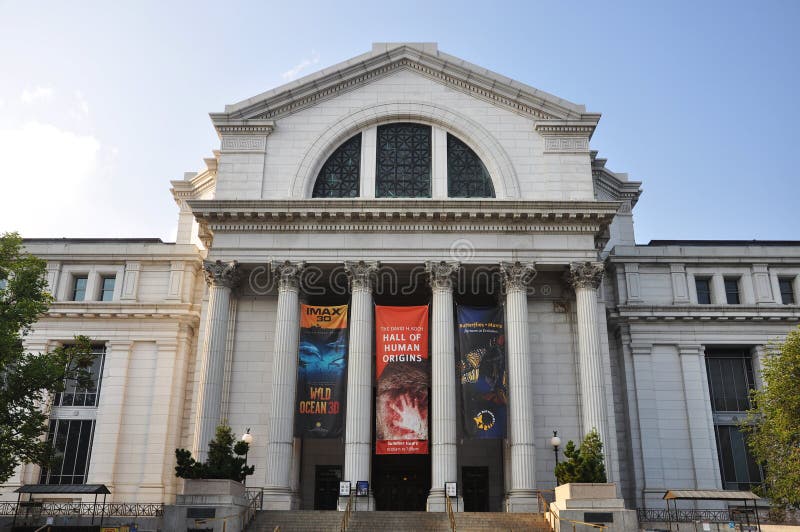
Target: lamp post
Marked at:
248, 439
555, 441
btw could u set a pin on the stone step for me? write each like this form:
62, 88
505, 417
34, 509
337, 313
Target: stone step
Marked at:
317, 520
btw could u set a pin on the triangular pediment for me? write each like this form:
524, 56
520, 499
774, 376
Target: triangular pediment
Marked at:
422, 58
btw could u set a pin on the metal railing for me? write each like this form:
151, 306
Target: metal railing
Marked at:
662, 515
348, 510
255, 502
108, 509
449, 505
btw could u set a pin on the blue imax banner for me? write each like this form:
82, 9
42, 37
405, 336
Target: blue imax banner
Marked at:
482, 369
321, 372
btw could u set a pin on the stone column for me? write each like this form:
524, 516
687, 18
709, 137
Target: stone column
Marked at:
221, 277
444, 456
280, 427
585, 278
358, 426
522, 495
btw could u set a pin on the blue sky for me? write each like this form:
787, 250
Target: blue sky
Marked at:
103, 103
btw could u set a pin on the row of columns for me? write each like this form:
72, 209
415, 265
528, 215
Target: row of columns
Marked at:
222, 278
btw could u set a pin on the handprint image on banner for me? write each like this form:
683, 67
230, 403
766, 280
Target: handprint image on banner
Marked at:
321, 372
482, 370
403, 379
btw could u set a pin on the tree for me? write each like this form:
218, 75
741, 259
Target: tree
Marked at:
226, 459
772, 425
583, 464
27, 379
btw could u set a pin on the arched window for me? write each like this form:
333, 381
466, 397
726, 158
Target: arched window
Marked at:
340, 175
467, 177
403, 161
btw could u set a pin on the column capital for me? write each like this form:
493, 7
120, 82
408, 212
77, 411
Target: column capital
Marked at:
220, 273
288, 273
586, 274
440, 274
517, 275
360, 273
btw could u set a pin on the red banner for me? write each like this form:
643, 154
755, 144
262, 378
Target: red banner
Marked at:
403, 379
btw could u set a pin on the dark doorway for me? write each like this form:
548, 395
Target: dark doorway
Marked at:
475, 481
402, 482
326, 486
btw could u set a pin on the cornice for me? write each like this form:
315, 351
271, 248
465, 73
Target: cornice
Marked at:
241, 126
578, 128
705, 313
445, 69
116, 310
403, 215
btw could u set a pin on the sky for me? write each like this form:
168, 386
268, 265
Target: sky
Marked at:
103, 103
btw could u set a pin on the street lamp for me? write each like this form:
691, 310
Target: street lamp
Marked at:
555, 441
248, 439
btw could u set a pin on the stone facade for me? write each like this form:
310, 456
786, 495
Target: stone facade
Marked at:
601, 333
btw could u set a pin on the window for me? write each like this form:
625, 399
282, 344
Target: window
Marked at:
730, 379
467, 177
739, 470
79, 287
72, 442
340, 175
732, 290
76, 396
403, 161
107, 288
703, 286
787, 290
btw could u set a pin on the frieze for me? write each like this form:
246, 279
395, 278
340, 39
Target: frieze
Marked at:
566, 144
244, 143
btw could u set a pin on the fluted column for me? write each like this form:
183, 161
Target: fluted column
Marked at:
585, 277
444, 457
280, 427
522, 496
222, 278
358, 427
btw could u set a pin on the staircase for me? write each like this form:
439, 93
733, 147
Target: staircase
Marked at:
315, 520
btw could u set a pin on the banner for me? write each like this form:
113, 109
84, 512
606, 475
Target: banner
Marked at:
321, 372
403, 379
482, 367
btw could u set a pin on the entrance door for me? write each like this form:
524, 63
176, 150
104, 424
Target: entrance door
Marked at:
402, 482
326, 486
475, 482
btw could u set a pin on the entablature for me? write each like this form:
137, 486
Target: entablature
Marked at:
704, 313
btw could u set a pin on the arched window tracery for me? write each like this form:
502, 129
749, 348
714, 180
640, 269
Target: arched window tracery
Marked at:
467, 176
340, 176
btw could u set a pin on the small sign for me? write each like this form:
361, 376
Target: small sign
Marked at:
362, 488
450, 489
344, 488
706, 527
598, 517
731, 525
109, 529
201, 513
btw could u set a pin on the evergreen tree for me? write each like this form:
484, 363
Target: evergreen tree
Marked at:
584, 463
226, 459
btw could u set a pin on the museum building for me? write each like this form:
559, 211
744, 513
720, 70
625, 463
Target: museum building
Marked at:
406, 178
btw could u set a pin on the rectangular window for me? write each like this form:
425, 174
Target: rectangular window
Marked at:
107, 288
79, 287
787, 290
72, 442
703, 286
732, 290
739, 470
730, 379
73, 395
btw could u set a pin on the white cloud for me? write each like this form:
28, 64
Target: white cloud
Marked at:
292, 73
45, 174
83, 105
39, 93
